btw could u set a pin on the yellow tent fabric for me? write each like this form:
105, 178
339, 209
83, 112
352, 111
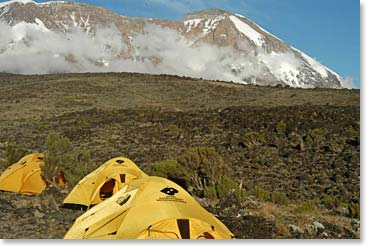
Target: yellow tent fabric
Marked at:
103, 182
25, 176
148, 208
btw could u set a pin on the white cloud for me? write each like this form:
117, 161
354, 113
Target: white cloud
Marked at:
157, 50
348, 82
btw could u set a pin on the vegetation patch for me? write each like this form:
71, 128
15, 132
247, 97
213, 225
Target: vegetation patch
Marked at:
307, 207
14, 152
253, 139
63, 160
262, 194
354, 210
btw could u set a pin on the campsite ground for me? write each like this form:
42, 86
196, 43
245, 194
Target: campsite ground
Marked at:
295, 152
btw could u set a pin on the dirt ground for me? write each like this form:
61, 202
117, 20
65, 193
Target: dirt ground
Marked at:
309, 152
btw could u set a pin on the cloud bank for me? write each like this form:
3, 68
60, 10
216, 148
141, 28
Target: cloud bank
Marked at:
30, 48
25, 49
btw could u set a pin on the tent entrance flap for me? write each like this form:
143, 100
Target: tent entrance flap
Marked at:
107, 189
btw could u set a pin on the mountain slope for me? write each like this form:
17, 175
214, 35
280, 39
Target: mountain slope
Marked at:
212, 44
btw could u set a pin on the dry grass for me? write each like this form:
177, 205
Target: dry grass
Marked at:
283, 215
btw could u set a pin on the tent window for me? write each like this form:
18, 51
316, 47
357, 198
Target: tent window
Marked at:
184, 227
120, 161
122, 178
106, 190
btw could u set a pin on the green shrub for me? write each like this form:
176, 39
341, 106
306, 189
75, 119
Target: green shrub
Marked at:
201, 170
316, 134
225, 185
281, 127
351, 132
14, 152
343, 205
253, 139
330, 202
354, 210
172, 128
62, 158
279, 198
262, 194
167, 169
204, 167
307, 207
210, 192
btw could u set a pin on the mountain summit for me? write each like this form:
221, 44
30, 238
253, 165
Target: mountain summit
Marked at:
212, 44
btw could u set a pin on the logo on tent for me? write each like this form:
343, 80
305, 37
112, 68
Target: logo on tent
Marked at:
169, 191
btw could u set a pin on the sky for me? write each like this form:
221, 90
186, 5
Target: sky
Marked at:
328, 30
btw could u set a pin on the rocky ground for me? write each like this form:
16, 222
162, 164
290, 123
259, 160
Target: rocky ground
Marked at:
294, 151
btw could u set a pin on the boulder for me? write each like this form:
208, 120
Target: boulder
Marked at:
295, 229
318, 227
38, 214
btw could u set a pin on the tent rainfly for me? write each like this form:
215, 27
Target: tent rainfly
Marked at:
102, 183
25, 176
149, 208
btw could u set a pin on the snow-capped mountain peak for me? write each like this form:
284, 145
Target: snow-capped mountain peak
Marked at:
213, 43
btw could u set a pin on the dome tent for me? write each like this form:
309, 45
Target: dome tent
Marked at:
25, 176
103, 183
149, 208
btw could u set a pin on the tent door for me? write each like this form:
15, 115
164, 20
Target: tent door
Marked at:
184, 227
107, 188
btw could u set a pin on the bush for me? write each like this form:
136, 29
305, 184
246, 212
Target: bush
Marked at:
279, 198
262, 194
173, 129
167, 169
281, 127
61, 159
354, 210
316, 134
14, 153
307, 207
253, 139
210, 192
204, 167
330, 202
227, 184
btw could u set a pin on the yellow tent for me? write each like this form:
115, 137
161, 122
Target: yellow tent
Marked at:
149, 208
103, 183
25, 176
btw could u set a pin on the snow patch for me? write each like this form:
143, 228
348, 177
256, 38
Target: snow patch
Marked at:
241, 16
42, 26
284, 66
212, 23
130, 39
72, 16
51, 2
4, 10
190, 24
248, 31
317, 66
